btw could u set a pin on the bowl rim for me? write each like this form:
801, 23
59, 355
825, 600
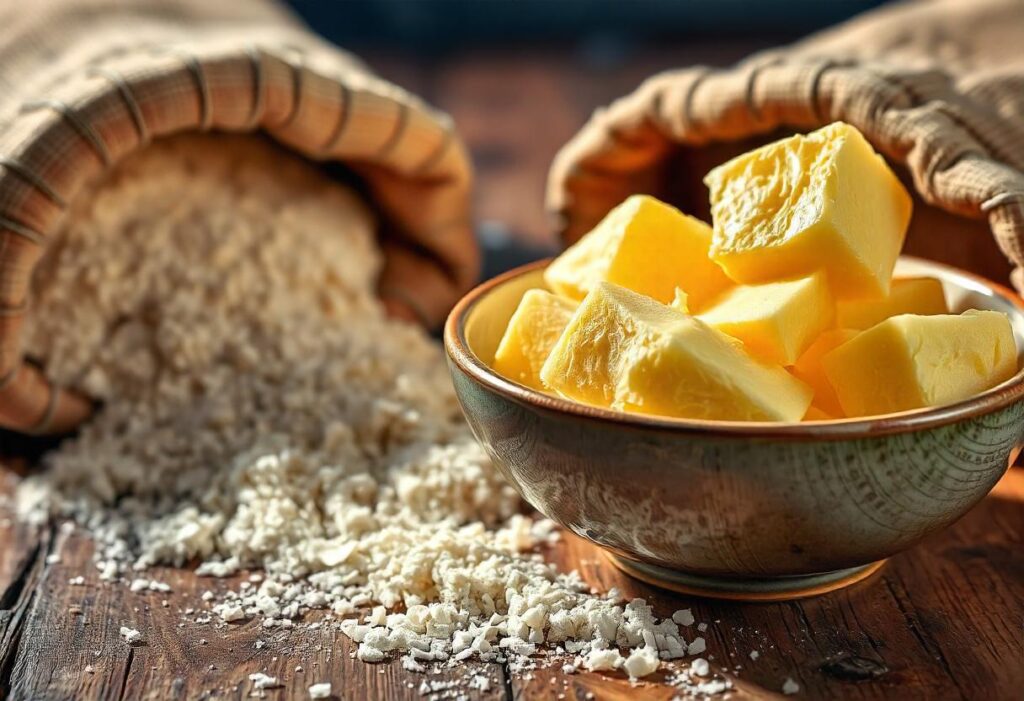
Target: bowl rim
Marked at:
999, 397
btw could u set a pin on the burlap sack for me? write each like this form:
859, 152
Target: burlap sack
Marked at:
85, 82
937, 86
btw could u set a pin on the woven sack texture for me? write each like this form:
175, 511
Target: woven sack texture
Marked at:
83, 83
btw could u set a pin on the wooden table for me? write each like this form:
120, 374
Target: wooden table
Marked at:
942, 621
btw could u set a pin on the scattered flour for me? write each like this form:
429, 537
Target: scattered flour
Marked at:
139, 584
261, 412
320, 691
264, 681
683, 617
597, 660
130, 635
641, 662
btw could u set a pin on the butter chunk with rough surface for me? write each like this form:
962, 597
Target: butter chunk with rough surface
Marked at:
681, 302
821, 201
910, 361
776, 321
816, 414
532, 332
919, 295
810, 370
626, 351
644, 245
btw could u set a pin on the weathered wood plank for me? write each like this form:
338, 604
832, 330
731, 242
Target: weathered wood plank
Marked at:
72, 627
22, 557
18, 542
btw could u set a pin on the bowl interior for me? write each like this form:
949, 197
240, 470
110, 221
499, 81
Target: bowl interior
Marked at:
487, 319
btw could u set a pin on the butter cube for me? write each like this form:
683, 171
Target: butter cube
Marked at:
646, 246
776, 321
681, 303
909, 362
626, 351
821, 201
532, 332
816, 414
810, 370
919, 295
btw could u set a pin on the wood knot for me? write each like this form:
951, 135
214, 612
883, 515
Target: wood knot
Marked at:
850, 668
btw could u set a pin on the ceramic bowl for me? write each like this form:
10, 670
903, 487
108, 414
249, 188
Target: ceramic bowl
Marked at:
747, 510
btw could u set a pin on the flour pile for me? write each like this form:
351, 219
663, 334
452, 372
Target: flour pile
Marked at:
261, 412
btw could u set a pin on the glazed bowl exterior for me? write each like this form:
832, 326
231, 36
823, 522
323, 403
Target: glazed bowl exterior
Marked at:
730, 499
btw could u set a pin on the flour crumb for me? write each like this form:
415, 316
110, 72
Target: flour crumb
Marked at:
598, 660
790, 687
140, 584
683, 617
641, 662
262, 681
320, 691
229, 612
410, 664
130, 635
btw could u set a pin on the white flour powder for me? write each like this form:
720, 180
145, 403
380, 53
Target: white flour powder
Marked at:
261, 412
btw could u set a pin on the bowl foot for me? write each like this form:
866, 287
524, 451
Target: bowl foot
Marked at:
742, 589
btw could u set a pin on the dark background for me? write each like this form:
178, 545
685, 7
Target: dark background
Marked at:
520, 77
429, 27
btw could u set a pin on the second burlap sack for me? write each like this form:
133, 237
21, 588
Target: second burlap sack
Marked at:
935, 86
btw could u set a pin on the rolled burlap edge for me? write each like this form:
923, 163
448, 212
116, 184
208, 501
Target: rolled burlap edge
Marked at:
961, 156
275, 77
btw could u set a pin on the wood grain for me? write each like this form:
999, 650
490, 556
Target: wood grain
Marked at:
68, 628
22, 557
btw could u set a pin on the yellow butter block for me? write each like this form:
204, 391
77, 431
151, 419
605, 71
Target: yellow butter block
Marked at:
532, 332
816, 414
646, 246
810, 370
909, 362
821, 201
624, 350
919, 295
681, 302
776, 321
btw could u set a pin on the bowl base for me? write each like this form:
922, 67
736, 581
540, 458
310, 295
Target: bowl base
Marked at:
742, 589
